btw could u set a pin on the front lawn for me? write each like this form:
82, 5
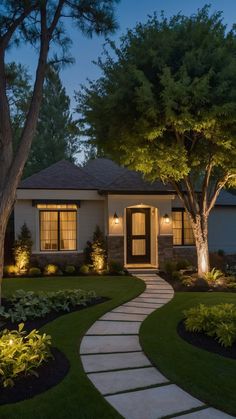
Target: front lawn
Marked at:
75, 397
205, 375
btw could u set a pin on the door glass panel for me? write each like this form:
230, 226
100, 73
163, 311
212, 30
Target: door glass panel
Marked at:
138, 247
138, 224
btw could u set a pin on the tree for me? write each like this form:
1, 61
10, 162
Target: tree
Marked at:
41, 23
166, 106
57, 134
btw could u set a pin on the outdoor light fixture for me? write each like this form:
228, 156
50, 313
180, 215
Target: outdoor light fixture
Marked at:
116, 218
166, 218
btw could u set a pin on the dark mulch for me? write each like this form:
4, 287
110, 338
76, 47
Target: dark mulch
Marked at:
50, 373
205, 342
201, 285
40, 322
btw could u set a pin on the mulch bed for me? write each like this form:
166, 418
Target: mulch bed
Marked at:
203, 341
40, 322
50, 374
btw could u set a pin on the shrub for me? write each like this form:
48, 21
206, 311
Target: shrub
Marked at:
187, 280
217, 321
34, 271
70, 269
169, 267
22, 249
95, 251
115, 267
22, 354
27, 305
221, 252
84, 269
182, 264
212, 276
176, 276
51, 269
201, 284
10, 270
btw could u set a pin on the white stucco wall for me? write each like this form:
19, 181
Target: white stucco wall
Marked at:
222, 229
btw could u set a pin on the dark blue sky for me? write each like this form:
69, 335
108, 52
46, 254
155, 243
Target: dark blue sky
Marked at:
128, 13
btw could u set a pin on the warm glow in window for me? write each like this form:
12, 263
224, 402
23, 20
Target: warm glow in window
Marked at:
58, 230
182, 230
56, 206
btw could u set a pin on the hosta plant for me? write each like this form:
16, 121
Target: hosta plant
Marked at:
27, 305
217, 321
21, 354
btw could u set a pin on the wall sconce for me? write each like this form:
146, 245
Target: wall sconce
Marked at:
166, 218
116, 218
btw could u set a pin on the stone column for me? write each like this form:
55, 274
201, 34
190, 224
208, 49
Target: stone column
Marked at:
165, 249
115, 249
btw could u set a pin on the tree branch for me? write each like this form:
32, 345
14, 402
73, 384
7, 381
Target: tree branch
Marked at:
218, 187
183, 198
32, 116
56, 17
204, 199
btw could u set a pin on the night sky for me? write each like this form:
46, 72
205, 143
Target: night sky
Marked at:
128, 13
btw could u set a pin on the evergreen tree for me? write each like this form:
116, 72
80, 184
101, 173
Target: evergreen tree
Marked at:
56, 136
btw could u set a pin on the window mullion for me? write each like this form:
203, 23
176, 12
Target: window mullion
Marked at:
58, 231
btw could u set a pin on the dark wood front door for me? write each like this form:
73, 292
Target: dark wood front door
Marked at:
138, 235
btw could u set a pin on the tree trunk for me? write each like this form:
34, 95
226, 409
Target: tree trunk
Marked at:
200, 229
3, 225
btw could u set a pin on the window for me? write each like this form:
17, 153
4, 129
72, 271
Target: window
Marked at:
182, 230
58, 226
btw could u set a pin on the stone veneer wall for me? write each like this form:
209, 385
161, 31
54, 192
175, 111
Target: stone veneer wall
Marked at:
60, 259
115, 249
165, 249
183, 252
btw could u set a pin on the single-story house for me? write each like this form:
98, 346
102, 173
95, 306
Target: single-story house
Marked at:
145, 223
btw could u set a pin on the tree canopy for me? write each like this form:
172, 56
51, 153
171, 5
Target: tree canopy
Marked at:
166, 102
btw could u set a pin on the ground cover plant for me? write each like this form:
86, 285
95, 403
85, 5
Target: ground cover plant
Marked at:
75, 396
21, 354
26, 305
218, 321
206, 375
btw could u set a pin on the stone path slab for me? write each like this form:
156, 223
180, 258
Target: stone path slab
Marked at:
206, 414
151, 300
147, 305
114, 328
133, 310
106, 344
94, 363
153, 403
124, 316
117, 381
113, 359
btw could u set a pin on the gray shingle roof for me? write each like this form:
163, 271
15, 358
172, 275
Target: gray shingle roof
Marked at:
226, 198
61, 175
103, 175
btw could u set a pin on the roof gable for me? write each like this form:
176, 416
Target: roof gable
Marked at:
61, 175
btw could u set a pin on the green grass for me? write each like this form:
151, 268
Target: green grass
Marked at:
205, 375
75, 397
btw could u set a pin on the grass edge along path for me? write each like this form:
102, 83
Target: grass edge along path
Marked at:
75, 397
206, 376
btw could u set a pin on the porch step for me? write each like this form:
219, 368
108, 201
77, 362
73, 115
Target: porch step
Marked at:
144, 271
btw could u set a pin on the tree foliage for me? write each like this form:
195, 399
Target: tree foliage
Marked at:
57, 133
166, 104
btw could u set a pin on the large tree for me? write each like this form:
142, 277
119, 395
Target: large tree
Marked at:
166, 106
41, 24
56, 136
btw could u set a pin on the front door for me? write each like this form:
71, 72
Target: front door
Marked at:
138, 235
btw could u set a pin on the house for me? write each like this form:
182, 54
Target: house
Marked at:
145, 223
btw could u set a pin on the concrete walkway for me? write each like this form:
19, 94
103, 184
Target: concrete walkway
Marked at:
115, 363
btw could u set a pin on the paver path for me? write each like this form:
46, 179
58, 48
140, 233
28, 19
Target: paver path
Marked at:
115, 363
